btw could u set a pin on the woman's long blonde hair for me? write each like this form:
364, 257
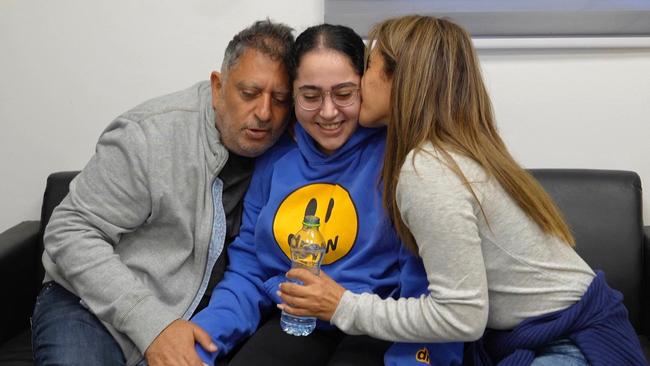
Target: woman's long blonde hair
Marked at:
438, 96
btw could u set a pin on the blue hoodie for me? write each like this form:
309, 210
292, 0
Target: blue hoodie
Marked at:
293, 179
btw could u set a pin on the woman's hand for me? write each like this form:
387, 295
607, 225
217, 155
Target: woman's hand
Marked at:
319, 296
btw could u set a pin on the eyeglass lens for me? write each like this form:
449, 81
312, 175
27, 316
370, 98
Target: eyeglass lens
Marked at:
313, 99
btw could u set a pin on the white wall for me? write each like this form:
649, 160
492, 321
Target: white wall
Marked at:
574, 108
68, 67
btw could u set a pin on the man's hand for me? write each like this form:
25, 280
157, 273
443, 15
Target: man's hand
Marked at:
319, 296
174, 346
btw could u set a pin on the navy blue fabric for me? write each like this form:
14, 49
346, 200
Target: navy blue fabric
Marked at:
598, 324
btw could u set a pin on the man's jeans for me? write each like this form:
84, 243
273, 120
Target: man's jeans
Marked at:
65, 333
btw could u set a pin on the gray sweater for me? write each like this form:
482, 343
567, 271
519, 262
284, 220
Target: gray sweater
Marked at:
132, 238
478, 276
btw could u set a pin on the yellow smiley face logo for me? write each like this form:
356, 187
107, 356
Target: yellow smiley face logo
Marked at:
332, 204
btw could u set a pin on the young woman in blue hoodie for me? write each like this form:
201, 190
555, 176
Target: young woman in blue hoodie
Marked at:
500, 267
326, 166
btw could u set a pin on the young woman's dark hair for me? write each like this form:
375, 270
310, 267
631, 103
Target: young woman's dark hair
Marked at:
336, 37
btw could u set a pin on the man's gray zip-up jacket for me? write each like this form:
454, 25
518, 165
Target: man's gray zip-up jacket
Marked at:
132, 237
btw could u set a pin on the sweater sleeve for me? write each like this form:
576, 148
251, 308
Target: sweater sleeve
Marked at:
441, 213
108, 199
236, 304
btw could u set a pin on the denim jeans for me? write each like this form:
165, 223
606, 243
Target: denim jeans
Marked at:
64, 332
560, 353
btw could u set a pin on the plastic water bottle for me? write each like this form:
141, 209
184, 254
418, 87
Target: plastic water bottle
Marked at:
307, 248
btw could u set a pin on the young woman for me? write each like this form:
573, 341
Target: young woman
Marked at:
496, 250
330, 168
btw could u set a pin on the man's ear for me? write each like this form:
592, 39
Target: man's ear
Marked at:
216, 83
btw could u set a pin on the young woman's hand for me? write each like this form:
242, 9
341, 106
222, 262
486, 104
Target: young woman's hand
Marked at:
319, 296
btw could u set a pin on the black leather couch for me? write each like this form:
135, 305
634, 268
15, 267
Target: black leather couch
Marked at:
603, 209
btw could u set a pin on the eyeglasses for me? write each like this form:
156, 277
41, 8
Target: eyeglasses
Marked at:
311, 100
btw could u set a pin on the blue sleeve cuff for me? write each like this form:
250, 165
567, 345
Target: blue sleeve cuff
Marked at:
272, 285
205, 356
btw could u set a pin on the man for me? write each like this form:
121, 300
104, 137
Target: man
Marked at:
131, 250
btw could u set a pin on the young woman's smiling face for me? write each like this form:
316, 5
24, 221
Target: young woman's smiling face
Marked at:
327, 74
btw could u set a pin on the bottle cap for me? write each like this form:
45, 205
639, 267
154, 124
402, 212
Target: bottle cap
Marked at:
311, 221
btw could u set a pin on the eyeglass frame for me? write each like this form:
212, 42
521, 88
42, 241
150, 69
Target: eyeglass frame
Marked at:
324, 93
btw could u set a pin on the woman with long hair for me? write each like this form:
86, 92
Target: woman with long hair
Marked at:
496, 251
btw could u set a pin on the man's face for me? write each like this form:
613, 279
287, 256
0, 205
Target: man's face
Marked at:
251, 103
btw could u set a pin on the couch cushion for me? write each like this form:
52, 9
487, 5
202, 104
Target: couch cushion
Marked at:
646, 294
603, 210
17, 351
58, 186
56, 189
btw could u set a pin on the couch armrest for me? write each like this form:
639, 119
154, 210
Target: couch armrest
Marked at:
18, 247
